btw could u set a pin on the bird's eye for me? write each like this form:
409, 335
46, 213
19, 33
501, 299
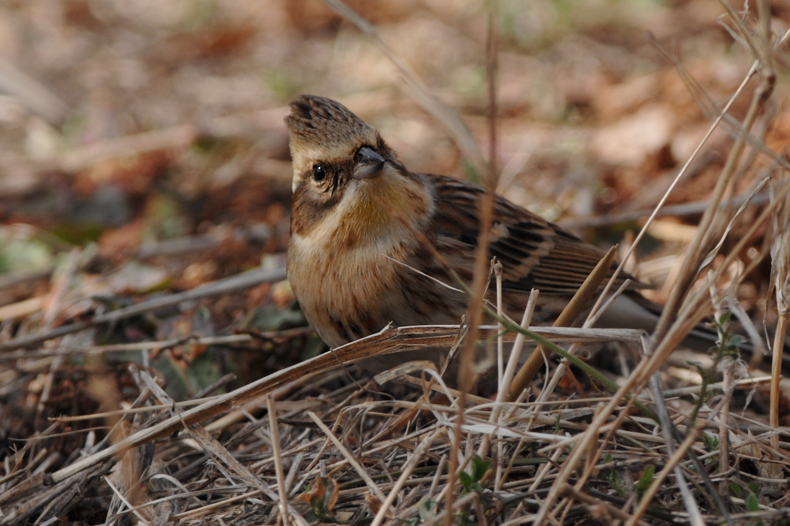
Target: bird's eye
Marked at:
319, 174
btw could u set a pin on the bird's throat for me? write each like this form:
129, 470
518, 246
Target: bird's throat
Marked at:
377, 215
384, 209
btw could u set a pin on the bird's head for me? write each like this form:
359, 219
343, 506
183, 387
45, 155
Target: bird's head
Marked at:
345, 175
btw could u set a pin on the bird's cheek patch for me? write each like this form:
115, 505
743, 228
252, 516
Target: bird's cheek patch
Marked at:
309, 208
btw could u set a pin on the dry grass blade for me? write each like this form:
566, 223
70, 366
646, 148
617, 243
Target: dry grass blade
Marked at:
780, 274
685, 209
574, 308
416, 457
282, 491
372, 486
480, 279
668, 429
20, 309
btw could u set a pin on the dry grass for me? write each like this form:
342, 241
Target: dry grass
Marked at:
660, 441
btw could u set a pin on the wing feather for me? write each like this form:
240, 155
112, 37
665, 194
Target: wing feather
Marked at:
534, 253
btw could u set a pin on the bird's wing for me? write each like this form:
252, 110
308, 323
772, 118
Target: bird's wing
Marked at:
534, 253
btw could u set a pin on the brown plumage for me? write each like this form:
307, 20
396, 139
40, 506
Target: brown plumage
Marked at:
362, 224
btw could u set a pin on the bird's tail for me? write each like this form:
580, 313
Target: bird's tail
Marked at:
632, 311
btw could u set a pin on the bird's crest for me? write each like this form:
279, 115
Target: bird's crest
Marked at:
318, 121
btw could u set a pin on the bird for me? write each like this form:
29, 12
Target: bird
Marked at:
373, 243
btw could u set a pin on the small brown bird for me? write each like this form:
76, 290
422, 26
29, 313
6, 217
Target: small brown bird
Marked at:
361, 225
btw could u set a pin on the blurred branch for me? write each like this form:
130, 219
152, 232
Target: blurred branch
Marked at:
31, 93
685, 209
231, 284
17, 278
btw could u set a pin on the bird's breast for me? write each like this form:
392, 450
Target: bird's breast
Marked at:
345, 292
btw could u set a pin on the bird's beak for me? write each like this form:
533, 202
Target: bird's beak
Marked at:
368, 164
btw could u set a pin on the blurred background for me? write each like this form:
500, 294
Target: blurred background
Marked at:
148, 135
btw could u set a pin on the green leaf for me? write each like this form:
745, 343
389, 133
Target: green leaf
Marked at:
735, 490
710, 442
479, 468
724, 318
752, 504
466, 480
646, 479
